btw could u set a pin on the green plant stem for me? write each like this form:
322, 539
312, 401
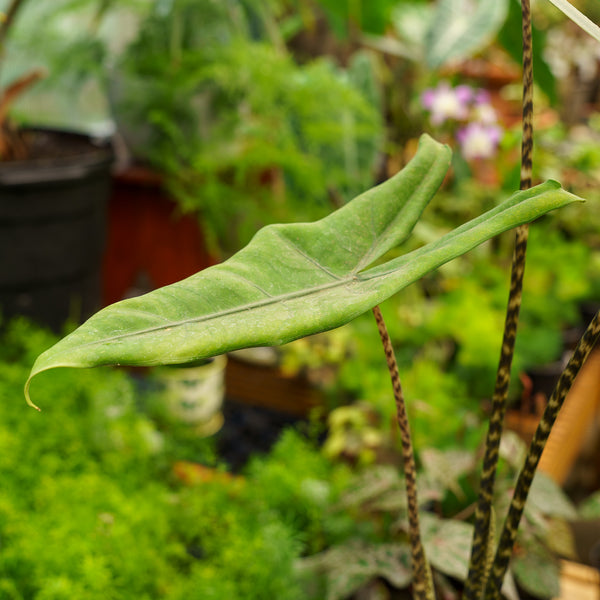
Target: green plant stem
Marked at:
478, 565
103, 8
271, 26
422, 580
515, 511
9, 17
175, 39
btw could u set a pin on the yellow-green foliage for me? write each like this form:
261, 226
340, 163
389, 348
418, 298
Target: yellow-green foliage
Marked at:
89, 508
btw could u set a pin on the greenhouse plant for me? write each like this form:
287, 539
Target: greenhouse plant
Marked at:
295, 280
208, 95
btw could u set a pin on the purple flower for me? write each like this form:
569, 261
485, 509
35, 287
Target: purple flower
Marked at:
483, 111
480, 134
481, 97
479, 140
446, 103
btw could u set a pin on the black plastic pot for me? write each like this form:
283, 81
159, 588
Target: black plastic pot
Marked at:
53, 228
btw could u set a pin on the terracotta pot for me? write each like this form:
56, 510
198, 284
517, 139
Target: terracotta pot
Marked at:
150, 243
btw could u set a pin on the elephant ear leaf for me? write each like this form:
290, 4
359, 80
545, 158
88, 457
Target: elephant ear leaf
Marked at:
292, 280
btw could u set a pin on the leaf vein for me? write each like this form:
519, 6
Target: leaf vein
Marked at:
305, 255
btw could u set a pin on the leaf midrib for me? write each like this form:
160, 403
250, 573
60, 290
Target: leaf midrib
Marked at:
236, 309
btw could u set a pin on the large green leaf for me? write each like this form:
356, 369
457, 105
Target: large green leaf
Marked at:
293, 280
349, 566
460, 28
448, 546
537, 571
546, 497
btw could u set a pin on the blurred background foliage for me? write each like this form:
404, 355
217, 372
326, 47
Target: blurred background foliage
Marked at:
281, 110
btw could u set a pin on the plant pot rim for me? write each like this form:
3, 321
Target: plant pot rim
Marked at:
87, 154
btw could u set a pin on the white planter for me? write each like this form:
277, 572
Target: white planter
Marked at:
194, 395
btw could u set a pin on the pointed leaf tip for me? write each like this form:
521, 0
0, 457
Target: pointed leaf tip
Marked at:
27, 396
